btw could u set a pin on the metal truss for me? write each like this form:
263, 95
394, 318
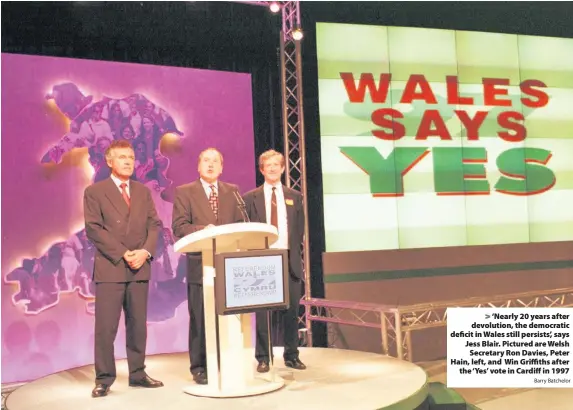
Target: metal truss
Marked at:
293, 130
426, 316
291, 79
397, 323
371, 315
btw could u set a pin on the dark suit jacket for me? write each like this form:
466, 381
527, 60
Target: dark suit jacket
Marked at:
256, 209
192, 212
114, 228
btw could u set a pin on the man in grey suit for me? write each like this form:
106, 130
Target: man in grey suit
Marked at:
122, 223
275, 204
198, 205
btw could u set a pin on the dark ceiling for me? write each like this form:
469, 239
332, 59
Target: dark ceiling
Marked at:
183, 33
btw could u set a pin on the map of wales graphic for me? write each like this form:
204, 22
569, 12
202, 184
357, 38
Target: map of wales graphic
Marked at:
67, 266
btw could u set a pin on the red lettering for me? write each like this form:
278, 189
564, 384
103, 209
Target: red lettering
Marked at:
504, 120
380, 118
357, 94
453, 92
490, 92
425, 93
542, 98
425, 130
472, 124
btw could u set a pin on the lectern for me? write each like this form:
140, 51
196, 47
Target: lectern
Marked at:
228, 337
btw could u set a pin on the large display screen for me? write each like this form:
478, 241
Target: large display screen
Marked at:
435, 138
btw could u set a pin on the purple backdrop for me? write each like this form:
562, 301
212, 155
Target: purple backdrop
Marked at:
58, 116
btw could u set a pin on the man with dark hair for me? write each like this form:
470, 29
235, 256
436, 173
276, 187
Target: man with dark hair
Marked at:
198, 205
122, 223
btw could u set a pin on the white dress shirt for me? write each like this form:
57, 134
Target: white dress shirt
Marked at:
207, 187
118, 182
282, 241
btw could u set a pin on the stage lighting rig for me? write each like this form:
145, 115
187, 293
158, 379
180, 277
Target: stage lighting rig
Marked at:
297, 34
274, 6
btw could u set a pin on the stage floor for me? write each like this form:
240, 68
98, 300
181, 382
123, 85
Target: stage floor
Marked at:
335, 379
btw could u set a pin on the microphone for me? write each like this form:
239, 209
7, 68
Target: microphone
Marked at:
242, 206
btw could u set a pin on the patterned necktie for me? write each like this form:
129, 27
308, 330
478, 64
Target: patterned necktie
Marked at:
123, 187
274, 212
214, 201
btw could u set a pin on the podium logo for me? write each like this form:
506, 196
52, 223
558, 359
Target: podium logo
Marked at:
254, 281
255, 271
252, 285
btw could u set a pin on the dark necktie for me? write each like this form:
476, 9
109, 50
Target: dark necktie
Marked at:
123, 187
274, 212
214, 201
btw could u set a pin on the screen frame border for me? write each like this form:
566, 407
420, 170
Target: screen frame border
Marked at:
220, 284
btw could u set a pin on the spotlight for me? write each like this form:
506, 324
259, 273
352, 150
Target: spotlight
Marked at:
274, 6
297, 34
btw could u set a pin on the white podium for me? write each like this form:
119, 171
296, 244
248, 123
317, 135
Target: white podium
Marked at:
229, 344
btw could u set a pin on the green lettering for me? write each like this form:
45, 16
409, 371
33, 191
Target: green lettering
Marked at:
524, 171
386, 174
460, 171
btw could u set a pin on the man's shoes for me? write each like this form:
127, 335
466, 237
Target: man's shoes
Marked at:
295, 364
263, 367
200, 377
147, 382
100, 390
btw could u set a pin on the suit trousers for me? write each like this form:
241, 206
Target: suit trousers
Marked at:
197, 346
111, 298
289, 321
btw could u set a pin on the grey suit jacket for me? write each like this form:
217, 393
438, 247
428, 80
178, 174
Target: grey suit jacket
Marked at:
256, 209
192, 212
114, 228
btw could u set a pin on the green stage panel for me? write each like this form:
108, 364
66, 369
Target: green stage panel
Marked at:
434, 138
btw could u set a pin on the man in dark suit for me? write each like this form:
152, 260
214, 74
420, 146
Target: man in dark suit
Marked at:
275, 204
122, 223
198, 205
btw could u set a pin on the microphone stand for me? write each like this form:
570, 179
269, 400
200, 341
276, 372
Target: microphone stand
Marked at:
242, 206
